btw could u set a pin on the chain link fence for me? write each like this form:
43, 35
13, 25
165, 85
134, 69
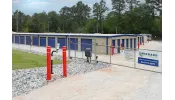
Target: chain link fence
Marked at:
117, 55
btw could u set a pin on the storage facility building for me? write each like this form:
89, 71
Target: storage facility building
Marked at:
80, 42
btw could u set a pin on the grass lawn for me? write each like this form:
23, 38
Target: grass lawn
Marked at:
24, 60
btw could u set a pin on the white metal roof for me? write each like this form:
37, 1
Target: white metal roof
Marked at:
75, 34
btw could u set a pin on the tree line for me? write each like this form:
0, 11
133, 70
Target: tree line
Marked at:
125, 17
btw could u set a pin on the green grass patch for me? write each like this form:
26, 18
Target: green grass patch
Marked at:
24, 60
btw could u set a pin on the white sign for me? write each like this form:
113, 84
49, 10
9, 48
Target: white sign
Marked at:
152, 58
149, 54
129, 54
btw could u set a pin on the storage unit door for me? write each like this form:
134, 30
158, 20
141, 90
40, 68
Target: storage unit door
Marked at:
62, 42
135, 43
28, 40
12, 38
74, 44
113, 42
86, 43
118, 42
21, 39
130, 43
43, 41
140, 40
51, 42
17, 39
35, 40
127, 43
123, 42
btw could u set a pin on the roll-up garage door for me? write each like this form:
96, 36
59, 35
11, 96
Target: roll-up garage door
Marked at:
113, 42
28, 41
74, 44
130, 43
51, 42
43, 41
12, 38
123, 42
127, 42
35, 40
86, 43
118, 42
135, 43
17, 39
140, 40
62, 42
21, 39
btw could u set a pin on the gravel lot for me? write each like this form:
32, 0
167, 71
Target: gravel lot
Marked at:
27, 80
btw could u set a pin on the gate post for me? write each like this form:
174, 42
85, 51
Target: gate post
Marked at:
48, 63
64, 62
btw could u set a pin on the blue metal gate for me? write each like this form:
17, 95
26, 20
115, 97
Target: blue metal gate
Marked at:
35, 40
86, 43
21, 39
118, 42
43, 41
62, 42
74, 44
134, 43
17, 39
130, 43
127, 42
51, 42
28, 41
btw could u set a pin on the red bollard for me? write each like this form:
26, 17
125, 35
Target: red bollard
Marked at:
64, 62
48, 63
112, 50
138, 45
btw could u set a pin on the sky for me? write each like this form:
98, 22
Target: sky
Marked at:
35, 6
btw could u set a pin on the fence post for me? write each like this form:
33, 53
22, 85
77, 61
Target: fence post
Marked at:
64, 62
110, 53
48, 63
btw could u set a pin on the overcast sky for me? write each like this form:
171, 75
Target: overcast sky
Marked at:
33, 6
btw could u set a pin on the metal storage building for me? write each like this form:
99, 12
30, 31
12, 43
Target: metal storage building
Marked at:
80, 42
